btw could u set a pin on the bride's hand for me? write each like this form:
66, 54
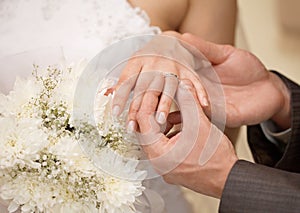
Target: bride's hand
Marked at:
158, 67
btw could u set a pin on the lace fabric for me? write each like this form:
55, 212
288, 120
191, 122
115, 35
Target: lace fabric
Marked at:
93, 24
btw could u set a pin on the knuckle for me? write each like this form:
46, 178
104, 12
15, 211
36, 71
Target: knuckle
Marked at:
154, 93
187, 83
140, 115
134, 108
135, 60
145, 112
132, 115
227, 47
165, 103
168, 179
139, 89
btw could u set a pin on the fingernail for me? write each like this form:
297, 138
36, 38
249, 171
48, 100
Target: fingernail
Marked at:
161, 117
131, 127
204, 102
116, 110
183, 86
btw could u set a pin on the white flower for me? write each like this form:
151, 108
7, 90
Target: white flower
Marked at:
3, 107
69, 151
116, 165
53, 161
75, 207
29, 193
67, 87
119, 195
112, 128
16, 103
21, 141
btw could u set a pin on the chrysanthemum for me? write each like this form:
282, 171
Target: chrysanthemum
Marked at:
52, 161
21, 140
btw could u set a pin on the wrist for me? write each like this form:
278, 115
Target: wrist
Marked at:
224, 176
282, 118
226, 159
210, 179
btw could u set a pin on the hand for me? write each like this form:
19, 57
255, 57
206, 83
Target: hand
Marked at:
252, 93
157, 66
200, 157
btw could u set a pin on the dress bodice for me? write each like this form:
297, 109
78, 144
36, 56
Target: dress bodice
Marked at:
81, 27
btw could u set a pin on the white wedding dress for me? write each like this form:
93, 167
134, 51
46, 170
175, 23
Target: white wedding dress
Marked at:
80, 28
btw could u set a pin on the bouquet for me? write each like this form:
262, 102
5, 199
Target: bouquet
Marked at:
43, 167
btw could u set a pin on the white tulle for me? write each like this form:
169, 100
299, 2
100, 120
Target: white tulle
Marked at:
81, 29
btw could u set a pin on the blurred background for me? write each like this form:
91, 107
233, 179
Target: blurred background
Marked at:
271, 30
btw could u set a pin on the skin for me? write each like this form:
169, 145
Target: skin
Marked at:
213, 20
140, 72
176, 167
251, 79
243, 75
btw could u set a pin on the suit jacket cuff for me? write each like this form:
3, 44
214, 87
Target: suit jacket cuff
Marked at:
257, 188
268, 153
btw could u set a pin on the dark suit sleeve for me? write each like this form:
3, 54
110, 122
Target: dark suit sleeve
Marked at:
261, 188
257, 188
265, 152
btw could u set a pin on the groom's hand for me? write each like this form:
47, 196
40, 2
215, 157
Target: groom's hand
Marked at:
252, 93
200, 157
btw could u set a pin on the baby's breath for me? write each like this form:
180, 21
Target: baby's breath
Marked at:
46, 167
54, 113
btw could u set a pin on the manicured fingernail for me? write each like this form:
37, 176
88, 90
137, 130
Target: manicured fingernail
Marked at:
116, 110
161, 117
183, 85
204, 102
131, 127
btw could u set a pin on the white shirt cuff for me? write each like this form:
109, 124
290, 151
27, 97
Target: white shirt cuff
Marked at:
273, 134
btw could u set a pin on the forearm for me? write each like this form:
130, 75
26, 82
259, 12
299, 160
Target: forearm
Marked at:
256, 188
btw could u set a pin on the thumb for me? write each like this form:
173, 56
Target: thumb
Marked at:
191, 114
215, 53
167, 154
150, 131
189, 106
194, 121
156, 145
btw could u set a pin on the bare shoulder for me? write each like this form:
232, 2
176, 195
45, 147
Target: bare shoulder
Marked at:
167, 14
